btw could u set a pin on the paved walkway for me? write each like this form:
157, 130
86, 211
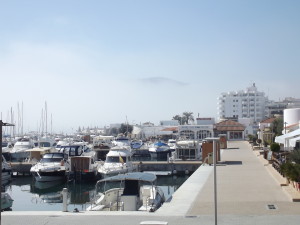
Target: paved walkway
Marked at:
245, 187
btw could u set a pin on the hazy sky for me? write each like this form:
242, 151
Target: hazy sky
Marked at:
96, 62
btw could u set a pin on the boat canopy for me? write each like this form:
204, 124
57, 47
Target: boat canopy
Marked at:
147, 177
160, 144
293, 134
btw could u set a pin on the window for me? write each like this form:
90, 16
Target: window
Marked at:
202, 134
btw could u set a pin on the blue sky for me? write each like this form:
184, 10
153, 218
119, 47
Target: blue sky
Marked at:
96, 62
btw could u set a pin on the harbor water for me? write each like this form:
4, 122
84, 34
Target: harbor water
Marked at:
29, 195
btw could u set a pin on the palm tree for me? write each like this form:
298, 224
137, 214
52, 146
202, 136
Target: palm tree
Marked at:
187, 117
178, 118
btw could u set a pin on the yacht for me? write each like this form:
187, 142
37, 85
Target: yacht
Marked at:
19, 153
121, 141
128, 192
160, 151
60, 144
118, 160
50, 168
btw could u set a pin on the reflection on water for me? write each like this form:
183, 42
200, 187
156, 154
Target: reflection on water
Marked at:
29, 195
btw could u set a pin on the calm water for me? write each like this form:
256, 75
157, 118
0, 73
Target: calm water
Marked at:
29, 195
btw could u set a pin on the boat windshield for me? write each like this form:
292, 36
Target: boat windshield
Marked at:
19, 147
115, 159
55, 157
105, 186
45, 144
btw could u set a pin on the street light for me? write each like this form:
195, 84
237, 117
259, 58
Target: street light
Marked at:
215, 140
2, 125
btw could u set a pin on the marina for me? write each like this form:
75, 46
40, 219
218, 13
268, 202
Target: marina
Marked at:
30, 195
192, 202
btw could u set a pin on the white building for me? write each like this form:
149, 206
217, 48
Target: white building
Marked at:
195, 132
169, 123
248, 103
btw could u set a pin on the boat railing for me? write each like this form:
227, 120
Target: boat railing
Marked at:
120, 204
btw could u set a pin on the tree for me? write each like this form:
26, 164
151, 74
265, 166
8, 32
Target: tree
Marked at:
277, 126
178, 118
187, 117
295, 156
114, 131
126, 128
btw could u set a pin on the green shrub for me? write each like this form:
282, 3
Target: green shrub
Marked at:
275, 147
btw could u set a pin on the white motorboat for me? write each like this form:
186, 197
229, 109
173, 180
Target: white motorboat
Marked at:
172, 144
60, 144
19, 153
6, 171
118, 160
128, 192
160, 151
121, 141
50, 168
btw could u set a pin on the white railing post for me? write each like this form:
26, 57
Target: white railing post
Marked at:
65, 199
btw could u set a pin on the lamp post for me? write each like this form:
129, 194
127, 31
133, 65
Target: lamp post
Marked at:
215, 140
285, 127
2, 125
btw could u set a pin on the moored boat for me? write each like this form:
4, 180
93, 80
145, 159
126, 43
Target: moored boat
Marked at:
50, 168
118, 160
128, 192
160, 151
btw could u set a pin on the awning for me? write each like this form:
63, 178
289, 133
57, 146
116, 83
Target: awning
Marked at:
281, 139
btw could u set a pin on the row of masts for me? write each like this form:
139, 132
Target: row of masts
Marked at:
18, 129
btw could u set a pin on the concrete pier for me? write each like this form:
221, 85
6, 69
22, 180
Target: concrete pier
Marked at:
175, 167
246, 190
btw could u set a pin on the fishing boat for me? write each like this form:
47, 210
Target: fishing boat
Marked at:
128, 192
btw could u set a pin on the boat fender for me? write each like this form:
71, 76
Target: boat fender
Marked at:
174, 171
186, 172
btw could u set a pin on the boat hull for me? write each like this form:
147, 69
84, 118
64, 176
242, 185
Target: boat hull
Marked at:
160, 155
49, 176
